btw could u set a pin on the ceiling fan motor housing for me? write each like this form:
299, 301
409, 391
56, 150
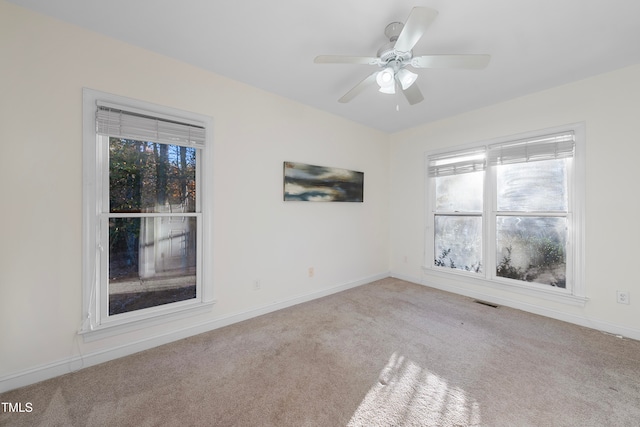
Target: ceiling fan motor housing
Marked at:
387, 53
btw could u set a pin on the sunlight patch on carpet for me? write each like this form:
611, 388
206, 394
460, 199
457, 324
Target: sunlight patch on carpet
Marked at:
407, 394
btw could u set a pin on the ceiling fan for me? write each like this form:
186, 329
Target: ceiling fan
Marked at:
394, 57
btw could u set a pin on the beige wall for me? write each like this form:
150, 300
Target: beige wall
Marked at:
45, 65
609, 105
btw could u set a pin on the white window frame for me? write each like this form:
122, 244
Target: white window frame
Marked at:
96, 321
575, 292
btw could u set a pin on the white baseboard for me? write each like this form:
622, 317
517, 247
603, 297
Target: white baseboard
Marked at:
75, 363
600, 325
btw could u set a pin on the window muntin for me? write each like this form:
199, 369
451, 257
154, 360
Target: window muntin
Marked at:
525, 221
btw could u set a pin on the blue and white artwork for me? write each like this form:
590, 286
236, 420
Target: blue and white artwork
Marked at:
310, 183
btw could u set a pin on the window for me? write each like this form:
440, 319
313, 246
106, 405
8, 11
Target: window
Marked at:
146, 211
509, 212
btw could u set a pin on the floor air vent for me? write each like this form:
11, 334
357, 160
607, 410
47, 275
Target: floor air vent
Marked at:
488, 304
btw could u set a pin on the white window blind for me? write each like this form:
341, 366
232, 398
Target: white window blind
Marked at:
458, 162
556, 146
117, 121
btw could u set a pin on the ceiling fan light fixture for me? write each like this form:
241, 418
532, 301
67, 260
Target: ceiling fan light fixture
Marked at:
406, 78
386, 81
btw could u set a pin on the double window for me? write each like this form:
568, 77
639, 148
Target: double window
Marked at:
146, 210
509, 211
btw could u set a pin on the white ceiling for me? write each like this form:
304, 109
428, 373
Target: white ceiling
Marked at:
534, 44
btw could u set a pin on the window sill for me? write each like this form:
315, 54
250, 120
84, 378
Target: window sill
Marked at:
461, 281
98, 332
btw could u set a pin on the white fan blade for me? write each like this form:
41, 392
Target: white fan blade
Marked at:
357, 89
417, 22
342, 59
413, 94
451, 61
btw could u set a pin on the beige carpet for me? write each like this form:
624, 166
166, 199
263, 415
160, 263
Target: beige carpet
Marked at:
390, 353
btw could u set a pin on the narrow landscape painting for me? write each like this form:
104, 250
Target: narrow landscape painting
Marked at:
309, 183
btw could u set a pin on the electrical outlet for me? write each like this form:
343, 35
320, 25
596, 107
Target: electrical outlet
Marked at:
311, 272
623, 297
256, 285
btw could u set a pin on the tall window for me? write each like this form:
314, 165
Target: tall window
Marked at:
144, 211
509, 211
458, 179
